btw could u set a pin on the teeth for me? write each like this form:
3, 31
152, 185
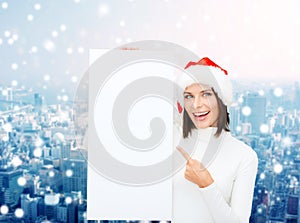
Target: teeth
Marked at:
197, 114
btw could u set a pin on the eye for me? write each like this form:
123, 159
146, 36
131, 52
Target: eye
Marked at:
188, 96
207, 94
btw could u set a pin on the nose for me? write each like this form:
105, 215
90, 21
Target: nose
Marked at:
198, 102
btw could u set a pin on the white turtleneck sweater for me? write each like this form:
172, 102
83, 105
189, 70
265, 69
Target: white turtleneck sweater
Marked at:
229, 198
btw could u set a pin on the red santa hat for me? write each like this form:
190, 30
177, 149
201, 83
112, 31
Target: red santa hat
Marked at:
205, 71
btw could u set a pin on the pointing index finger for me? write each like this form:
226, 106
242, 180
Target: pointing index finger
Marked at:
183, 153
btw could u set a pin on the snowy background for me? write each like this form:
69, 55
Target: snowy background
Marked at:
44, 44
44, 48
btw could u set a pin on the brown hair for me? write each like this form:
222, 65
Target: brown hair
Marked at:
223, 119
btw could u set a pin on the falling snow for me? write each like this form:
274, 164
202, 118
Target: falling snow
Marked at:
4, 209
22, 181
37, 7
246, 111
63, 27
278, 92
19, 213
46, 77
278, 168
49, 45
14, 66
69, 173
68, 200
14, 83
4, 5
30, 17
37, 152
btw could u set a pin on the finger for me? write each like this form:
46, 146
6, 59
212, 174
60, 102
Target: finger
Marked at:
183, 153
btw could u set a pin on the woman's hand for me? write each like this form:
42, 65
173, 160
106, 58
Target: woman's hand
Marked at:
195, 171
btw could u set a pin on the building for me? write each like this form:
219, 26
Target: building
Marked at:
30, 207
257, 117
75, 175
292, 208
10, 189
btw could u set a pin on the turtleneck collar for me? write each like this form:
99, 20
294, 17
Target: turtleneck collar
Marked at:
204, 134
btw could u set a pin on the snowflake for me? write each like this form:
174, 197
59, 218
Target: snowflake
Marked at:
280, 110
278, 92
264, 128
278, 168
19, 213
51, 173
54, 33
15, 37
33, 49
30, 17
49, 45
74, 79
261, 92
80, 50
37, 152
69, 173
14, 66
65, 98
63, 27
37, 7
246, 111
4, 209
10, 41
103, 10
7, 33
4, 5
7, 127
22, 181
46, 77
69, 50
262, 176
68, 200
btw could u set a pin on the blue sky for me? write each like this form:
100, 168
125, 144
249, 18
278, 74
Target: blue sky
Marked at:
45, 44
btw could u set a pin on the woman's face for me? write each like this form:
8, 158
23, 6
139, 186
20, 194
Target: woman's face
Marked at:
201, 104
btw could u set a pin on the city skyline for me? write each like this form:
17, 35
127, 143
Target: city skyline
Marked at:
38, 147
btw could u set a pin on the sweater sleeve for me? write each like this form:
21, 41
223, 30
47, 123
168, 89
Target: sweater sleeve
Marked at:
239, 208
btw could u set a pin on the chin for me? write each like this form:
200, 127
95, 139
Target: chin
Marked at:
202, 126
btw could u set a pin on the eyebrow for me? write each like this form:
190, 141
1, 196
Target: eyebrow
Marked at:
186, 92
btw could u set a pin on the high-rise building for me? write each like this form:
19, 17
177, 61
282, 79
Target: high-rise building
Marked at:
257, 116
75, 175
51, 203
30, 207
38, 101
292, 208
73, 210
234, 114
62, 213
10, 189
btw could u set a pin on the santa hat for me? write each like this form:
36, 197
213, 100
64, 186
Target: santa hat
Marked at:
205, 71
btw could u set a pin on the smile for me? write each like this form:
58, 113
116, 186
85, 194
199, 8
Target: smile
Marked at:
200, 114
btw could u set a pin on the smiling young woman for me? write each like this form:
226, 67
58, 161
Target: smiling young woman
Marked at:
221, 191
205, 108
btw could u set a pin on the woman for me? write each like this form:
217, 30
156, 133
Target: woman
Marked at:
220, 190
